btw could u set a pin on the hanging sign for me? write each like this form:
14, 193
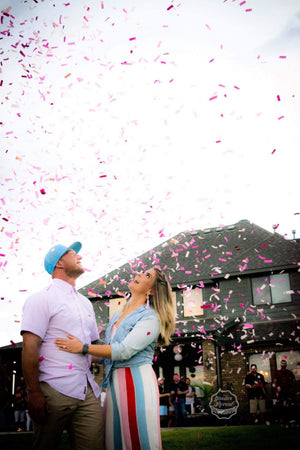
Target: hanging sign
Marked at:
224, 404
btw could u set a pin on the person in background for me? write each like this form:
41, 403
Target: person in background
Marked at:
284, 384
190, 397
255, 383
62, 393
131, 409
179, 390
19, 408
171, 412
5, 397
164, 400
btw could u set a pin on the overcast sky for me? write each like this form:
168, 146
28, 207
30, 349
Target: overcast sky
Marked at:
126, 122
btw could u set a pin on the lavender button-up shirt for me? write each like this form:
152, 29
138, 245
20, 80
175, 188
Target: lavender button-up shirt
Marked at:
53, 313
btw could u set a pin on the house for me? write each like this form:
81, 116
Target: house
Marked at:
236, 292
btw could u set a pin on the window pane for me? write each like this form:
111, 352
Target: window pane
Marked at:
174, 300
280, 288
115, 304
261, 290
196, 376
176, 371
293, 361
263, 365
192, 302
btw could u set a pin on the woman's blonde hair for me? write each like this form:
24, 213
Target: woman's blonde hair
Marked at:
161, 301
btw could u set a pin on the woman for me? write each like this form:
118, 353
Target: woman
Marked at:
132, 401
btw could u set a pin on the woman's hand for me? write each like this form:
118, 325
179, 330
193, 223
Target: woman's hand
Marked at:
71, 345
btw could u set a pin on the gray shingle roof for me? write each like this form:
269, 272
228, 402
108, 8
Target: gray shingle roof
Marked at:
196, 257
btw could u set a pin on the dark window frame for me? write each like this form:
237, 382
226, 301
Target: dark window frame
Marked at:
269, 276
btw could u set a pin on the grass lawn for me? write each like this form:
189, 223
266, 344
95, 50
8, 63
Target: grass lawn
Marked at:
232, 438
249, 437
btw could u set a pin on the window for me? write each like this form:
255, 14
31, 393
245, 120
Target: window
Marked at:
196, 375
271, 289
263, 365
174, 300
115, 304
192, 302
293, 361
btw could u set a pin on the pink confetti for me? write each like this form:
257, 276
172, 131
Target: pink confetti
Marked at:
132, 39
273, 151
281, 117
42, 191
282, 57
41, 358
70, 366
248, 325
213, 98
170, 7
148, 332
278, 98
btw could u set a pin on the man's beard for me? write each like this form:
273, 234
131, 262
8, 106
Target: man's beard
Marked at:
74, 272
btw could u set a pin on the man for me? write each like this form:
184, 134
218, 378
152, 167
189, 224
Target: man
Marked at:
190, 397
284, 384
164, 399
254, 383
179, 390
62, 393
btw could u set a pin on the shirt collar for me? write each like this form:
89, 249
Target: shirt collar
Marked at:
61, 284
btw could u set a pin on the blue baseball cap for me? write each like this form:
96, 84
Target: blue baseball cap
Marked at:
56, 252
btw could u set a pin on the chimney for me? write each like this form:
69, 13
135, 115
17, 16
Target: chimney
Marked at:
294, 234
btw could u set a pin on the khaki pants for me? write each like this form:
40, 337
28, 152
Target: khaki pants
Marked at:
81, 418
257, 405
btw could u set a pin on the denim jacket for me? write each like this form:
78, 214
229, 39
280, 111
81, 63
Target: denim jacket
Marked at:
134, 340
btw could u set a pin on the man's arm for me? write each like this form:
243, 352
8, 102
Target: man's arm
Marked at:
179, 392
192, 394
37, 404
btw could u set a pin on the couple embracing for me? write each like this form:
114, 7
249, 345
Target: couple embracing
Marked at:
60, 341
